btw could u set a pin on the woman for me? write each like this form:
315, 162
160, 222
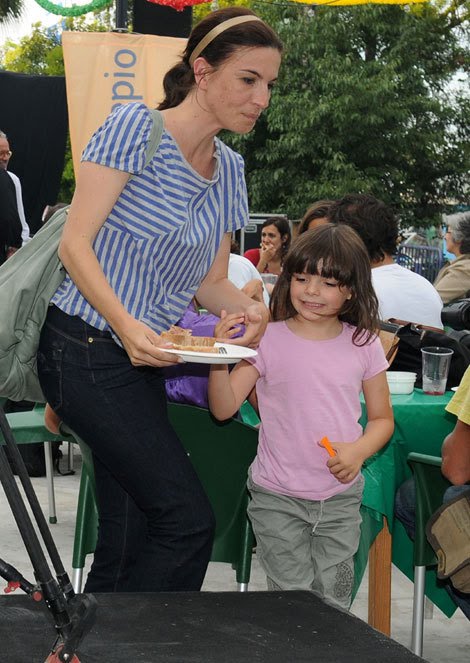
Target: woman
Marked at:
136, 252
453, 281
315, 216
275, 241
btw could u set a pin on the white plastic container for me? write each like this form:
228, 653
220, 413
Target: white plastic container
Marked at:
401, 382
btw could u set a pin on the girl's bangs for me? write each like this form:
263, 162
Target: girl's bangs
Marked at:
328, 266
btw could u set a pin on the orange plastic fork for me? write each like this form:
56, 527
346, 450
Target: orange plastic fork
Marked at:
325, 442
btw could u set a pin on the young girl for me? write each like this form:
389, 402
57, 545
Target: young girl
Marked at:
314, 360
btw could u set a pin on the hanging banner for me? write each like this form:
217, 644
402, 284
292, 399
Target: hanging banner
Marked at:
345, 3
105, 69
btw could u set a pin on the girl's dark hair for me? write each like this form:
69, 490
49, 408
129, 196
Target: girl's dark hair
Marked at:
284, 229
337, 252
318, 210
179, 80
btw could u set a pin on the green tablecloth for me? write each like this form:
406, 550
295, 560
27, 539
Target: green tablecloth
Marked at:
421, 424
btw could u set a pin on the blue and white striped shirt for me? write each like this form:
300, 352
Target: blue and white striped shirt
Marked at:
164, 231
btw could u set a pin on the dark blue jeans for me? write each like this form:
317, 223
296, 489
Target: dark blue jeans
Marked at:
155, 522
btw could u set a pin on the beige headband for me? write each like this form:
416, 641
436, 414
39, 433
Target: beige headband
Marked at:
215, 32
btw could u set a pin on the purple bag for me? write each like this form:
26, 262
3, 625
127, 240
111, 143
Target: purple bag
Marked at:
187, 383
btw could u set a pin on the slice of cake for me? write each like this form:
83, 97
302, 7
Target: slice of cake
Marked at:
184, 340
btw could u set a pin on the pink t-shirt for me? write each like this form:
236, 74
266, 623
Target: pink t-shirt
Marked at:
306, 390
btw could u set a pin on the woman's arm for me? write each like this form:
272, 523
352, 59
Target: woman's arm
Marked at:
217, 293
227, 391
98, 187
350, 456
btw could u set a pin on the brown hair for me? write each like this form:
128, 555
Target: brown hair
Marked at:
337, 252
373, 221
318, 210
283, 227
179, 80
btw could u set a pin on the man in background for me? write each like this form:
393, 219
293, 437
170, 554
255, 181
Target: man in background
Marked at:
5, 155
10, 226
402, 294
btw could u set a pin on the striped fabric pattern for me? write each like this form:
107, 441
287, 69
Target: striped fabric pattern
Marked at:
164, 231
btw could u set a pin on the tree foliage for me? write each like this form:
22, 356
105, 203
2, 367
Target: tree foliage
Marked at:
370, 98
367, 101
41, 53
10, 9
38, 53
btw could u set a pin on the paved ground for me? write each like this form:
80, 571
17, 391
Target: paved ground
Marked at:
446, 640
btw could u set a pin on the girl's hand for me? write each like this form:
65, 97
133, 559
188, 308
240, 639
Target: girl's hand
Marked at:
144, 346
256, 319
347, 463
228, 326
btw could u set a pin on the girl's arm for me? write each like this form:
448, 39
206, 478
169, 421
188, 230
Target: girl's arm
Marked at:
350, 456
98, 187
216, 292
227, 391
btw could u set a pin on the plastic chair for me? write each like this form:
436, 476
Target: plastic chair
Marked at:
29, 427
86, 522
430, 485
221, 454
424, 260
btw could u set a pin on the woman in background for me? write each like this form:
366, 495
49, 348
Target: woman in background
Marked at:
316, 215
275, 242
453, 281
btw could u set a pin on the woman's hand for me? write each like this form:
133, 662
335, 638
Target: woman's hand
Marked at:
347, 463
144, 346
267, 251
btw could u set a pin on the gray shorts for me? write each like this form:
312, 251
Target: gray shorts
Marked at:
306, 544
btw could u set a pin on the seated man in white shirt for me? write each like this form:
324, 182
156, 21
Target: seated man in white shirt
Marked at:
5, 155
402, 294
245, 276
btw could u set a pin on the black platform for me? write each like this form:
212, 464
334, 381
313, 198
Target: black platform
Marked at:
206, 627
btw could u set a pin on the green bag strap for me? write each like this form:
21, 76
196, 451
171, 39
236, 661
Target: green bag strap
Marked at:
155, 135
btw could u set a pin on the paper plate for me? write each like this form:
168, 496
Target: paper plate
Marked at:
235, 353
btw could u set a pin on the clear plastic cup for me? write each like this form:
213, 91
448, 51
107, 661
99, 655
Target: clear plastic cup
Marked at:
436, 365
269, 279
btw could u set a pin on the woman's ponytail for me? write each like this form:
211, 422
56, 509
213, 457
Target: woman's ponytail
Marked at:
177, 83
